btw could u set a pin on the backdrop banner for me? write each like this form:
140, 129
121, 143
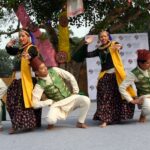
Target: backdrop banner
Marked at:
130, 43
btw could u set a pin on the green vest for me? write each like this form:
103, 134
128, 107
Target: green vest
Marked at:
143, 85
57, 90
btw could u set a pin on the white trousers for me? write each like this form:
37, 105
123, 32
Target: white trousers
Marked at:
61, 112
1, 114
146, 107
3, 89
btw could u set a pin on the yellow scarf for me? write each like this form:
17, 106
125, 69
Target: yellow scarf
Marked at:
119, 67
26, 79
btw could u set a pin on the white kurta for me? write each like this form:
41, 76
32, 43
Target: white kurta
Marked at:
61, 109
130, 80
3, 89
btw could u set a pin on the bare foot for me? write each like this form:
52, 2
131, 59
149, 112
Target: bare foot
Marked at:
142, 119
103, 125
81, 125
11, 131
50, 126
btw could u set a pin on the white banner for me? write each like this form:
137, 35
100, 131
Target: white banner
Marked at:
130, 43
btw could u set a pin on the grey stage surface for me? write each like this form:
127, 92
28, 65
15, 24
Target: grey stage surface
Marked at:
129, 135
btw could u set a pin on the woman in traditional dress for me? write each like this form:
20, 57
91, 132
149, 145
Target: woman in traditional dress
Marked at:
110, 106
19, 101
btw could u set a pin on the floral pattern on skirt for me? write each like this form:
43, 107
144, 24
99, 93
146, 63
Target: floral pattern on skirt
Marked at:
110, 106
22, 118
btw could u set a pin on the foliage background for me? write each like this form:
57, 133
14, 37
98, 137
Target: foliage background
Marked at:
117, 16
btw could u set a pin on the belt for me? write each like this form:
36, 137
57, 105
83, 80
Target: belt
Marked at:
112, 70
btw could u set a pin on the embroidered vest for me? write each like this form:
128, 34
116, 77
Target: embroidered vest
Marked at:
57, 90
143, 86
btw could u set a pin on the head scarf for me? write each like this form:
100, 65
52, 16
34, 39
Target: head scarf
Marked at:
25, 30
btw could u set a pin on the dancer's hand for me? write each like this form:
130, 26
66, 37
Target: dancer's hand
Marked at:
141, 100
89, 39
117, 47
26, 55
11, 43
137, 101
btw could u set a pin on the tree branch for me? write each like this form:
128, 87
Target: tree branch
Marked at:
11, 32
128, 19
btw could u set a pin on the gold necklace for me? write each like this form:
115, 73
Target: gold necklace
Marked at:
23, 47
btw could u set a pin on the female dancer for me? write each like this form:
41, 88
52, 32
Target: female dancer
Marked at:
19, 104
110, 106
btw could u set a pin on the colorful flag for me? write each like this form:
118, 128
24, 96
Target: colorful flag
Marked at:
63, 35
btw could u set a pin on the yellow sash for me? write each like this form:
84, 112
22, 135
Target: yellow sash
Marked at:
119, 67
26, 79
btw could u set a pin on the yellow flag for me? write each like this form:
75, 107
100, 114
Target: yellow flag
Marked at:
63, 35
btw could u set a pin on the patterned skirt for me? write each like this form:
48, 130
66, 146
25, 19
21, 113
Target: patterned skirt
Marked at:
110, 106
22, 118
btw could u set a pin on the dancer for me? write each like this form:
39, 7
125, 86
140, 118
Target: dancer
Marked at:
110, 106
140, 76
19, 101
3, 89
61, 100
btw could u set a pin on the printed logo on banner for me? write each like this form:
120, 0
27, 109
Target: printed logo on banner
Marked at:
129, 45
98, 63
136, 37
92, 87
130, 61
121, 37
122, 53
90, 71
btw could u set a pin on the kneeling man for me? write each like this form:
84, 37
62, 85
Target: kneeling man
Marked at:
140, 76
62, 102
